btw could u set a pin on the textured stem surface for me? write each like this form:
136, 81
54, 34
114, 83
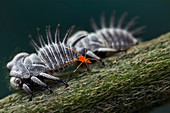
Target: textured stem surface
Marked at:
133, 82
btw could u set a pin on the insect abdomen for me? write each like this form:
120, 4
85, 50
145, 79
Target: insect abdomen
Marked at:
54, 54
110, 39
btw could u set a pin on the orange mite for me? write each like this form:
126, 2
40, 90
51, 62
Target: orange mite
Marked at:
82, 59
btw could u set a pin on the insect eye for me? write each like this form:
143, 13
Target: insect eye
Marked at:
17, 81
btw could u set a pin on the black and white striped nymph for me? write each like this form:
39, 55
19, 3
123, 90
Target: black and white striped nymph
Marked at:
108, 39
28, 69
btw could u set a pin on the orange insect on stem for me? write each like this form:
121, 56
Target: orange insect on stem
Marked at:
82, 59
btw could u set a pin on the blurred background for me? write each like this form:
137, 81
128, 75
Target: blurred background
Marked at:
19, 18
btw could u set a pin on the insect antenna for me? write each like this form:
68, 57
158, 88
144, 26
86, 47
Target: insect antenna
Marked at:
74, 50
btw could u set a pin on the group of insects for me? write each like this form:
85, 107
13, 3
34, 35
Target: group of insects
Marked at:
27, 70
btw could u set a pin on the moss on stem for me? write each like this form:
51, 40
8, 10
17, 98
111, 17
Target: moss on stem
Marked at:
131, 82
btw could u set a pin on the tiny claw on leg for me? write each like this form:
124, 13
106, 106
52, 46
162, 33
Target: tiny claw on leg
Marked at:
88, 69
124, 50
66, 85
102, 62
30, 99
51, 91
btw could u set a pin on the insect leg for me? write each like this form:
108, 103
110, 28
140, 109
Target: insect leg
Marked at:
78, 67
45, 75
109, 50
92, 55
27, 89
88, 69
39, 82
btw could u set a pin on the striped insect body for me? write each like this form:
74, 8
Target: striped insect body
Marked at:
29, 69
111, 39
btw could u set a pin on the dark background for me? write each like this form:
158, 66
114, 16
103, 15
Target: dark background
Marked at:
19, 18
